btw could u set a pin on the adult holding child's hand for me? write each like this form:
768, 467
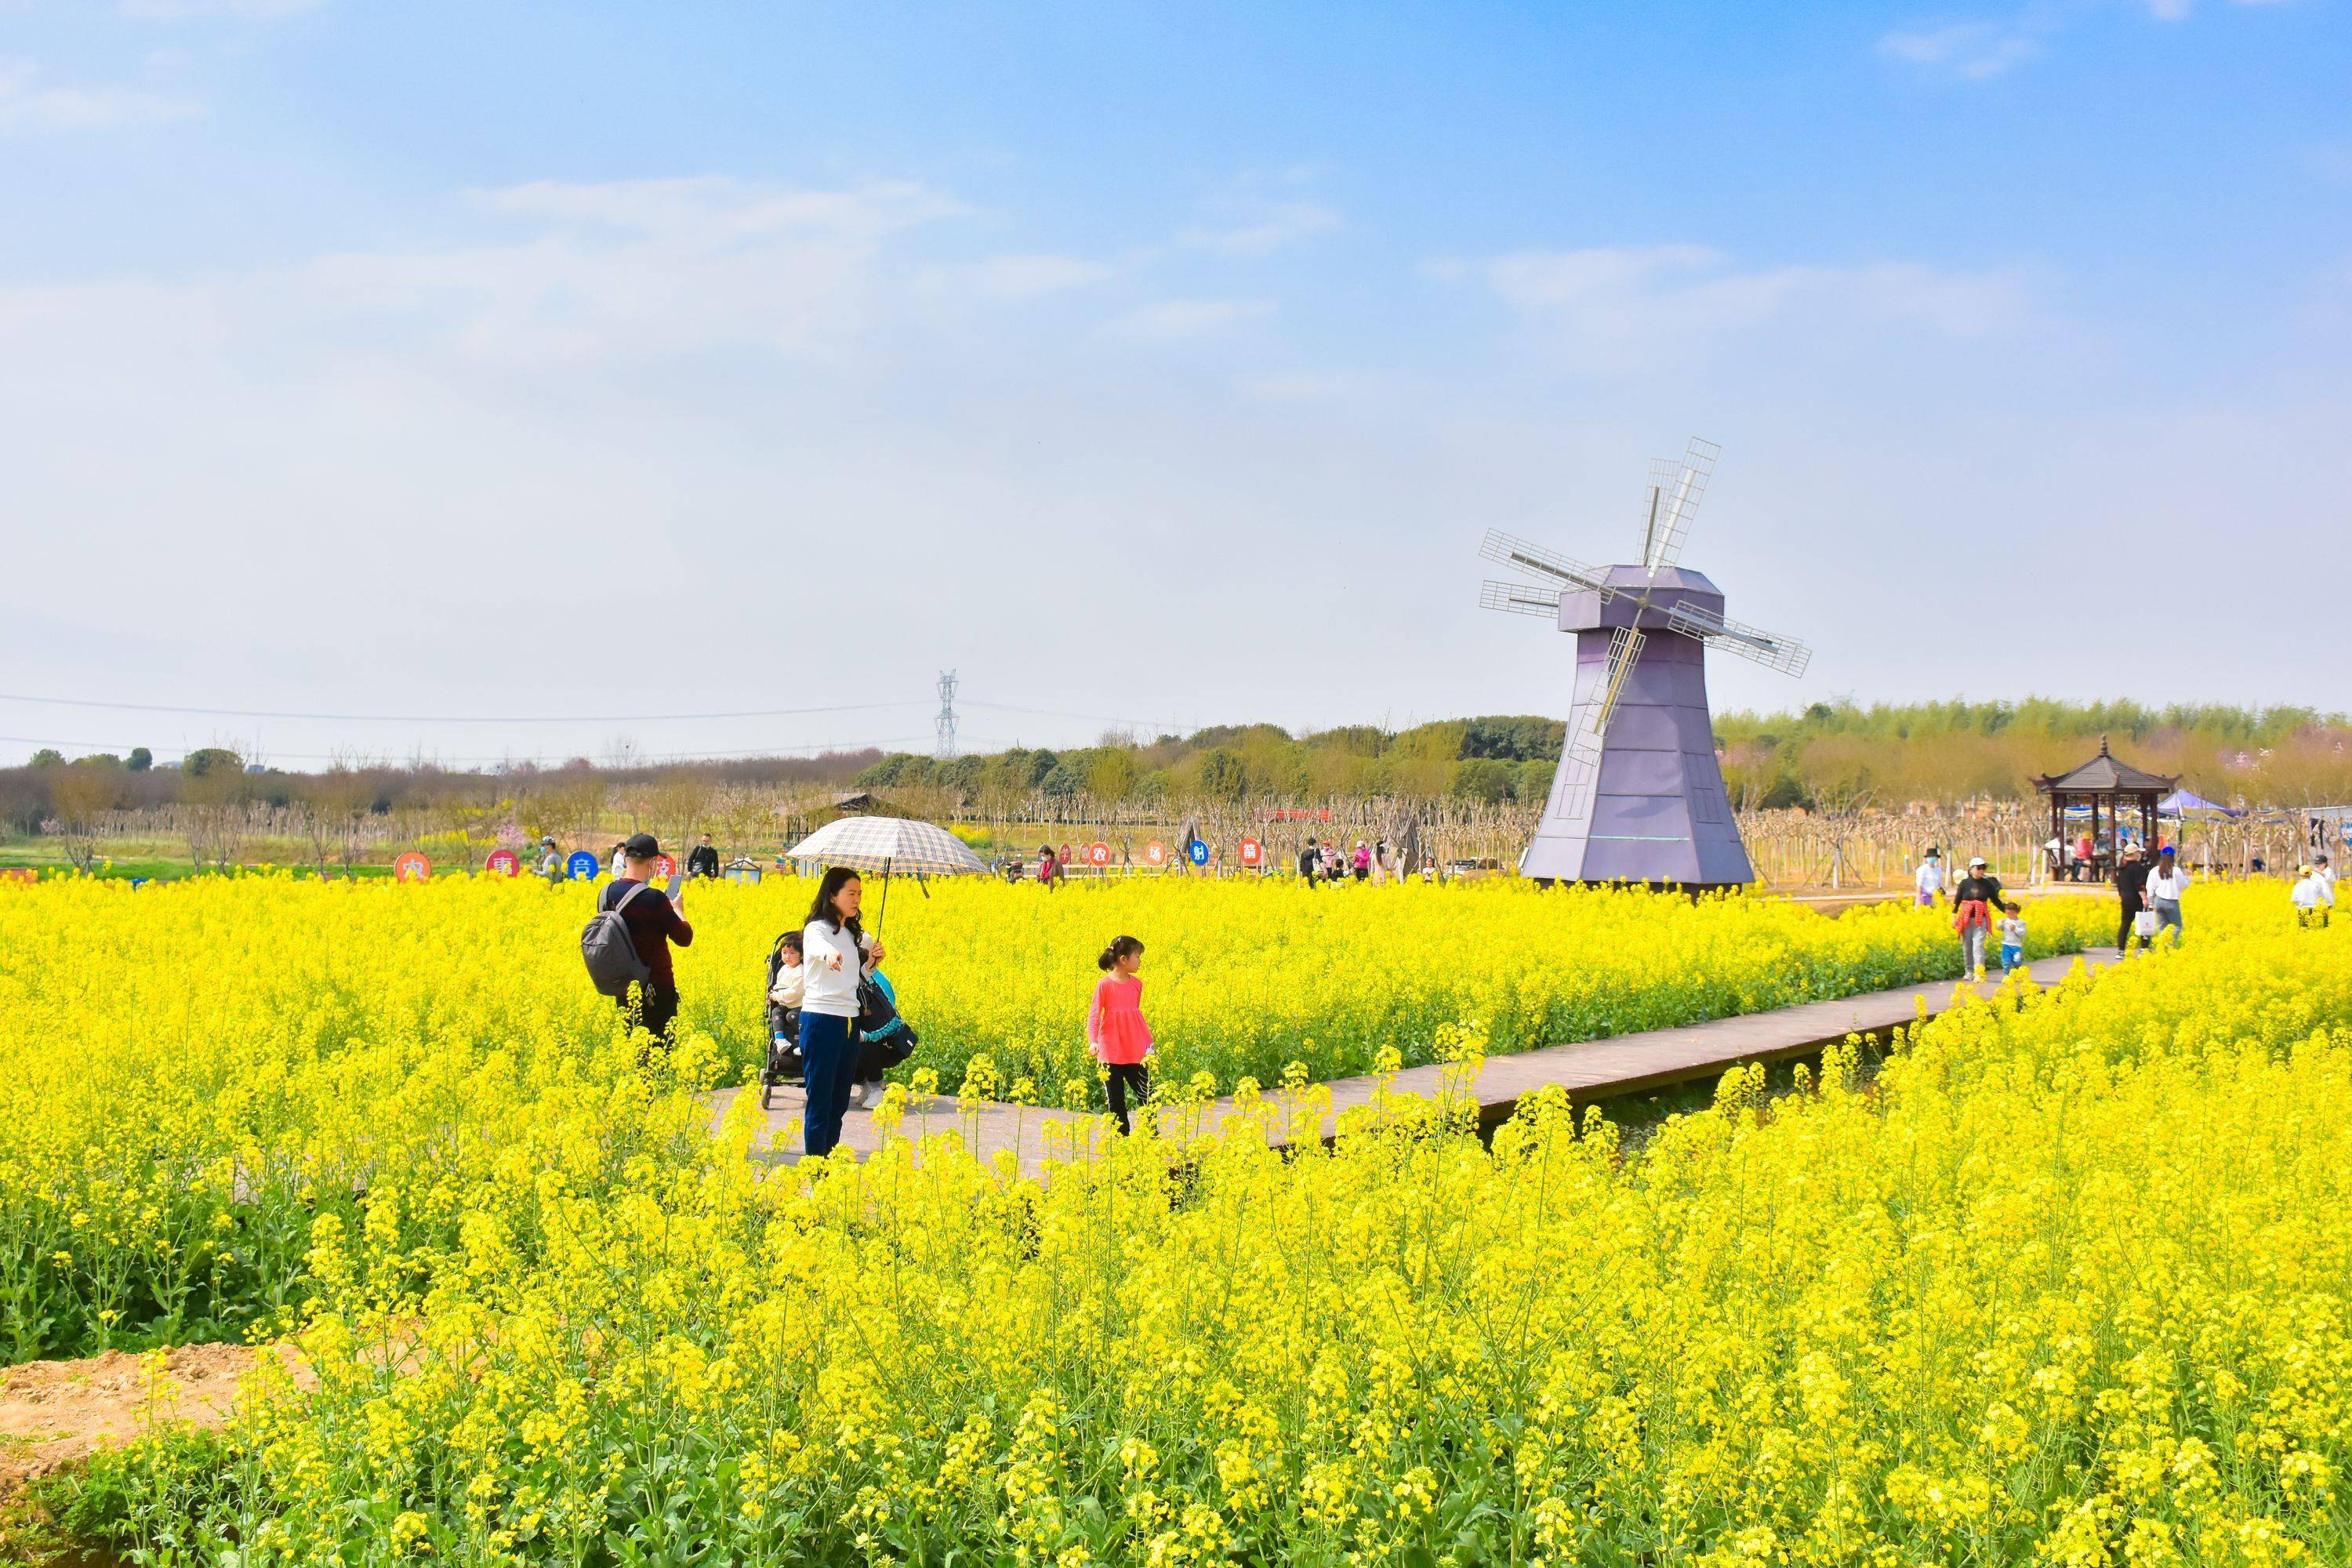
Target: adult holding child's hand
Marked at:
837, 954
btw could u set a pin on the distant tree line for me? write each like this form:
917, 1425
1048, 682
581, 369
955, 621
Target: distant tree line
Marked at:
1833, 756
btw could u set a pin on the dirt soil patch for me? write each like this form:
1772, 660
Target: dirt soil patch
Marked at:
54, 1414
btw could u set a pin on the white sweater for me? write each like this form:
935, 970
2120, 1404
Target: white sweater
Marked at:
828, 991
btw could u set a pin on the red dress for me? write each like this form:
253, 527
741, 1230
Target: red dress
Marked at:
1114, 1024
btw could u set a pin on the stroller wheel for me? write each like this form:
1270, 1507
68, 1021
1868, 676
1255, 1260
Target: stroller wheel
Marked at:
767, 1093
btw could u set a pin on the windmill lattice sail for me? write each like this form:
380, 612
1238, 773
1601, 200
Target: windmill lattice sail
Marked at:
1519, 599
1769, 649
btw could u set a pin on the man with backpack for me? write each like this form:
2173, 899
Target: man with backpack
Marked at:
703, 859
635, 955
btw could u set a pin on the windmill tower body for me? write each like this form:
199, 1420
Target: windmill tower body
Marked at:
1653, 808
1639, 795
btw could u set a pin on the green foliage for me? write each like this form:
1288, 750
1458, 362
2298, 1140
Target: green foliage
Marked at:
1516, 739
1484, 778
48, 757
1222, 775
142, 759
209, 761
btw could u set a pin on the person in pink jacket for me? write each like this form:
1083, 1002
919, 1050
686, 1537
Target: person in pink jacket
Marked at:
1115, 1027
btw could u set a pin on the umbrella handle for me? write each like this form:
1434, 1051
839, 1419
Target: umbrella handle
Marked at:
880, 913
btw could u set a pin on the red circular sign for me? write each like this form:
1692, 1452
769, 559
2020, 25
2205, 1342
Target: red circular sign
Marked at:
1155, 853
665, 865
1098, 854
411, 868
502, 862
1252, 851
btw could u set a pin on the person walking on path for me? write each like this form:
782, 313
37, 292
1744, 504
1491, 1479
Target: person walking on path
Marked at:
1049, 867
703, 859
1362, 860
2163, 891
551, 859
654, 925
2085, 851
2131, 895
1115, 1031
1973, 903
1310, 860
2326, 873
2312, 898
837, 953
1928, 881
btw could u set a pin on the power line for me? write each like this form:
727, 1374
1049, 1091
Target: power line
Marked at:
731, 754
457, 718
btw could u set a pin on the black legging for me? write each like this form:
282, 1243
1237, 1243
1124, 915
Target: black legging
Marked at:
1122, 1074
2124, 930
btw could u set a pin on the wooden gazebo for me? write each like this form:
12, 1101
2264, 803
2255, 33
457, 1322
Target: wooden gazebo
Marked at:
2108, 787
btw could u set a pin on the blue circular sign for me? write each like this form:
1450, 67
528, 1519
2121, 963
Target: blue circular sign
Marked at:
1197, 852
582, 865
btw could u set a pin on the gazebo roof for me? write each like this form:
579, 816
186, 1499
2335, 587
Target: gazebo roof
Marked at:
2103, 774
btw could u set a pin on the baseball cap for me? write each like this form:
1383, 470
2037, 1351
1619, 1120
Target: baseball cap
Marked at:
2166, 851
640, 846
1976, 860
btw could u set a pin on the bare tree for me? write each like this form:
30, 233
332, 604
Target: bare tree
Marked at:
84, 795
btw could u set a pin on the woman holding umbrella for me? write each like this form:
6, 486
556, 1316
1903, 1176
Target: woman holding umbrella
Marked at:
838, 954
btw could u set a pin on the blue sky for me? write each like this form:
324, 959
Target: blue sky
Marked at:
1157, 363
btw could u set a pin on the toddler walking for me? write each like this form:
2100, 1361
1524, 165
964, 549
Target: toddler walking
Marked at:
2012, 938
1115, 1027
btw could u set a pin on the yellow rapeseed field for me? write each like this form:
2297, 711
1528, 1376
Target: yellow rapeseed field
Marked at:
192, 1072
2066, 1281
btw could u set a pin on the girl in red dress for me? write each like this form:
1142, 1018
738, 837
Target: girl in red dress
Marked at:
1115, 1025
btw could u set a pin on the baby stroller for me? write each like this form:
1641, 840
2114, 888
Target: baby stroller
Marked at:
783, 1063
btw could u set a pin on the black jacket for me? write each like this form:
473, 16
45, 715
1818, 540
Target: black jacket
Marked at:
1985, 888
703, 861
2131, 883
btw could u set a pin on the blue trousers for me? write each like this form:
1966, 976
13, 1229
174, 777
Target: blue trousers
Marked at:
829, 1061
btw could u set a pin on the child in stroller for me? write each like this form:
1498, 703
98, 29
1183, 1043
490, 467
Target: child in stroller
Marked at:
784, 977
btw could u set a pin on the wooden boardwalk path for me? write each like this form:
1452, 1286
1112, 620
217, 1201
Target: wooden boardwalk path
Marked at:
1589, 1070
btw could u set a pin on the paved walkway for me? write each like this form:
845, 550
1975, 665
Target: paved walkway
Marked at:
1589, 1070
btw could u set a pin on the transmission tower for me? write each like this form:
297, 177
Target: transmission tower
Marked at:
947, 722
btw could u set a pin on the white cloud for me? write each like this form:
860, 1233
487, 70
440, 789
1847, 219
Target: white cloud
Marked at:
1170, 320
1257, 226
1620, 308
1970, 51
241, 10
642, 269
27, 104
1025, 277
1307, 386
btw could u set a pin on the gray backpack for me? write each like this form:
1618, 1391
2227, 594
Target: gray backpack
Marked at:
611, 952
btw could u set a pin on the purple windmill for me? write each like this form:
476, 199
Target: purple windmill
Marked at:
1639, 795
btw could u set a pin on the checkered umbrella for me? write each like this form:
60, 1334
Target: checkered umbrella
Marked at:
888, 844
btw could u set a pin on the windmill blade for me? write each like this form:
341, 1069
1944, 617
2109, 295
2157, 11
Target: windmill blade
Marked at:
1579, 756
1663, 473
1624, 647
1521, 599
1528, 556
1769, 649
1680, 488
